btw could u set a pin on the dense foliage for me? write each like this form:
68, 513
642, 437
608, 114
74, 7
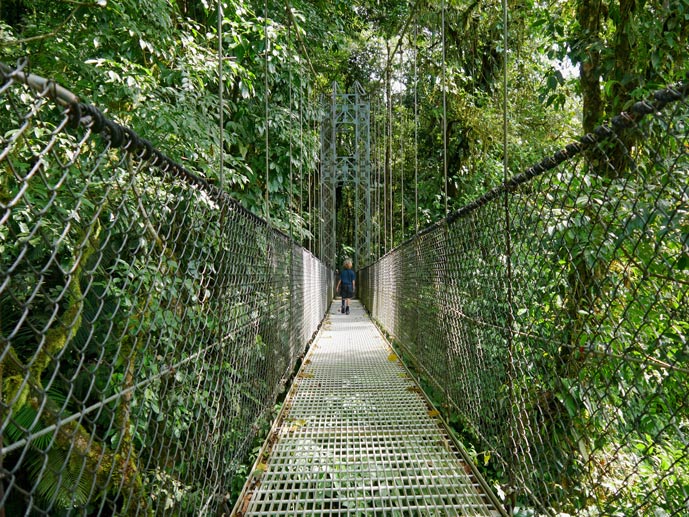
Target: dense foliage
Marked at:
154, 66
437, 90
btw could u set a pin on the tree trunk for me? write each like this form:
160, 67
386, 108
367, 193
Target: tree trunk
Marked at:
588, 16
624, 65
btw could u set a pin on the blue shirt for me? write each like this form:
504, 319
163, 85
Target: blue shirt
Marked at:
347, 277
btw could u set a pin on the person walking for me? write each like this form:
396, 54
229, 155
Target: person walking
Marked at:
348, 285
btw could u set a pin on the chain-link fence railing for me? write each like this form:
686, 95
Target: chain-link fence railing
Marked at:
147, 321
552, 318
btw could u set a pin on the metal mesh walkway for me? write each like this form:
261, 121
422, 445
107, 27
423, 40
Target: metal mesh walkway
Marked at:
356, 437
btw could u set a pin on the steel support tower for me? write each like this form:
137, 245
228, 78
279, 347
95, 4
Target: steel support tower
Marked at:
346, 164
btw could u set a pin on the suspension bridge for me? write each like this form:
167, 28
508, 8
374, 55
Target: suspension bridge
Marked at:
528, 354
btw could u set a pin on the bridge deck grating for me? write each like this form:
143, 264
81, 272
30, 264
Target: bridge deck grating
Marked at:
356, 437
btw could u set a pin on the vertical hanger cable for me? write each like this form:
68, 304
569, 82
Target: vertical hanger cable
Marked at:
444, 88
416, 126
291, 132
221, 140
514, 429
267, 112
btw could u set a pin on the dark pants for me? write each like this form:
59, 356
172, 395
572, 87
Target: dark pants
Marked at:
346, 291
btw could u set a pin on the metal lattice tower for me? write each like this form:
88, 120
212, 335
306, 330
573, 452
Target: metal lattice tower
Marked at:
346, 163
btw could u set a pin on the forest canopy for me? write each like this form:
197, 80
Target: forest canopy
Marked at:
154, 65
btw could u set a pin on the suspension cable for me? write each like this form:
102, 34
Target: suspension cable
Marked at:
403, 161
311, 218
393, 161
416, 126
267, 113
508, 251
374, 174
301, 156
381, 169
290, 206
291, 179
444, 87
386, 157
376, 133
221, 86
403, 123
391, 188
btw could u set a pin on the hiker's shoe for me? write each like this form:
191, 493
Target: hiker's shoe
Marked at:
347, 310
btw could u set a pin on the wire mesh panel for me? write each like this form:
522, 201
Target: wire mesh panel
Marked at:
147, 322
357, 438
552, 317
